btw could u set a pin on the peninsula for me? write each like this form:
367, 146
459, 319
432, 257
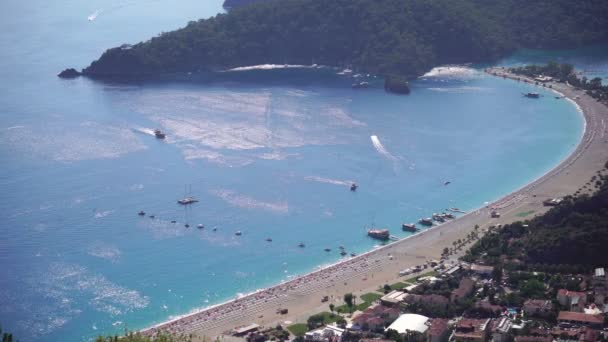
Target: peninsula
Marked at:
381, 37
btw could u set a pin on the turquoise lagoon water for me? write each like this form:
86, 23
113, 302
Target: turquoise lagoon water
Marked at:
268, 153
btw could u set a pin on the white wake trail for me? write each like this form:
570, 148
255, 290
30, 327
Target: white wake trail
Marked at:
380, 148
94, 15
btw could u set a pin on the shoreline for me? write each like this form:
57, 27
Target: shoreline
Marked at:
298, 291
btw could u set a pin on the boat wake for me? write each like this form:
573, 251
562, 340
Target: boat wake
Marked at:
94, 15
380, 148
144, 130
329, 180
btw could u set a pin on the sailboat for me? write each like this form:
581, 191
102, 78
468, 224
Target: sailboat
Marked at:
187, 199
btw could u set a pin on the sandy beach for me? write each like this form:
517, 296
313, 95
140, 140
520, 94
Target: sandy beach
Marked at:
367, 272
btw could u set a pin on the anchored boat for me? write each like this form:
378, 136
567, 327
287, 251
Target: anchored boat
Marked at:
409, 227
532, 95
380, 234
426, 221
187, 200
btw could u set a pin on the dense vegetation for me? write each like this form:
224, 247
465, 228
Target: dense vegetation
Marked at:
235, 3
386, 37
568, 238
565, 73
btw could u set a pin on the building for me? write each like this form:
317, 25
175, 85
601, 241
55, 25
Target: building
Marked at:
600, 293
329, 333
464, 289
537, 307
376, 318
393, 298
568, 318
431, 301
600, 273
471, 330
482, 270
574, 301
410, 322
533, 339
500, 329
438, 330
588, 335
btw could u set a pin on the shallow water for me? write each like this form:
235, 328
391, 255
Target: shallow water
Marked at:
271, 154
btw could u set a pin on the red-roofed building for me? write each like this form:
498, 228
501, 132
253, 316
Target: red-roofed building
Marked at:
589, 335
438, 331
472, 330
376, 317
579, 318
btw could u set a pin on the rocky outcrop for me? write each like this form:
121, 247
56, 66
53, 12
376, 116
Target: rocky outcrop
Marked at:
69, 73
397, 85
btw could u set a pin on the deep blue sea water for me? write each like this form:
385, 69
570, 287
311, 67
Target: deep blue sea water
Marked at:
269, 153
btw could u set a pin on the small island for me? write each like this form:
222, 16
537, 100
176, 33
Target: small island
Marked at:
397, 85
69, 73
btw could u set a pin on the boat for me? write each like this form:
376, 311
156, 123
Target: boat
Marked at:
354, 187
173, 221
448, 215
187, 225
215, 229
409, 227
159, 134
141, 213
380, 234
301, 245
200, 226
343, 253
353, 254
456, 210
268, 240
238, 233
532, 95
187, 200
446, 183
327, 249
151, 216
426, 221
360, 85
438, 218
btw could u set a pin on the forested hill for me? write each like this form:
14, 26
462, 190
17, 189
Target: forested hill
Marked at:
236, 3
402, 37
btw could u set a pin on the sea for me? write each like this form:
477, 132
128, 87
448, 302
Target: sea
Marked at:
269, 152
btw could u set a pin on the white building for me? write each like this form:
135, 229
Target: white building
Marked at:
410, 322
